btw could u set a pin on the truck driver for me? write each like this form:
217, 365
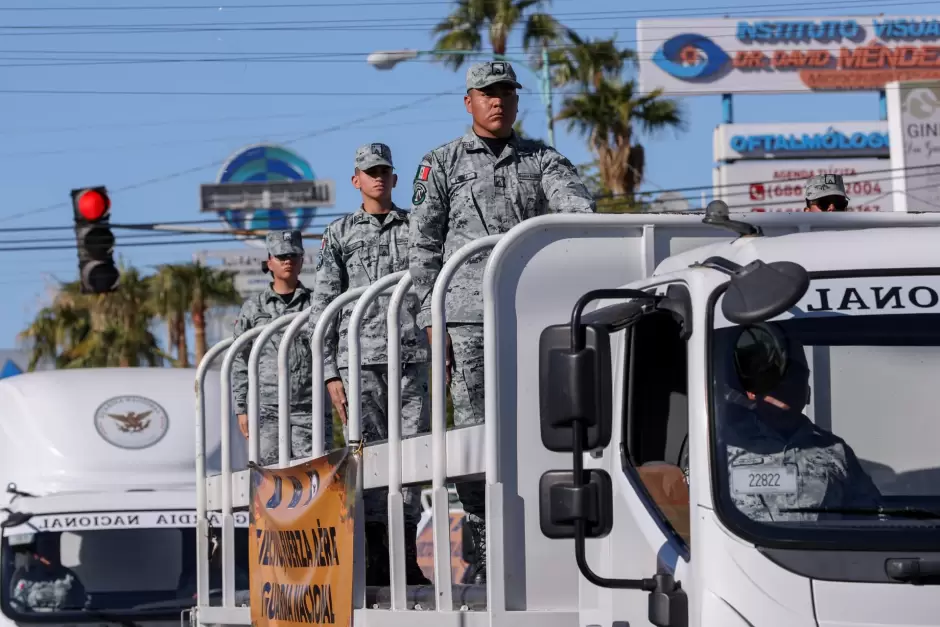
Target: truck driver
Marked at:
779, 462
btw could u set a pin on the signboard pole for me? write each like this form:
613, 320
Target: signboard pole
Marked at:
727, 108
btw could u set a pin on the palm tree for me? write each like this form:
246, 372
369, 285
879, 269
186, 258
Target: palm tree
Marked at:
96, 330
585, 63
463, 29
171, 300
608, 111
208, 287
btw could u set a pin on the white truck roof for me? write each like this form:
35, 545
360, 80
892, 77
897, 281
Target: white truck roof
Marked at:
822, 250
107, 429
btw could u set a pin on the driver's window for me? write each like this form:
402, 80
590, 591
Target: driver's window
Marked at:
656, 418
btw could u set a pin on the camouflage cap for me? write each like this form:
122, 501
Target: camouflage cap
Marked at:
371, 155
823, 185
486, 73
284, 243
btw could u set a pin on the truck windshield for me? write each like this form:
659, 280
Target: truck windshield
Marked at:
107, 574
825, 421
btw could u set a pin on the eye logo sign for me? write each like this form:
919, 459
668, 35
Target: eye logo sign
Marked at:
690, 57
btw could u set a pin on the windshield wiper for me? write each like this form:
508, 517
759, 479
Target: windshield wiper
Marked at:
108, 616
901, 512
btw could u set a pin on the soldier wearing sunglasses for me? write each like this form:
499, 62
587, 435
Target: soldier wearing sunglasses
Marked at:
826, 192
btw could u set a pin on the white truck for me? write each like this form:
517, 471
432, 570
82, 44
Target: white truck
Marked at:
614, 346
99, 519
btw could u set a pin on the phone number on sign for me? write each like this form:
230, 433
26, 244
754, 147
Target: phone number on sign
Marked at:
766, 191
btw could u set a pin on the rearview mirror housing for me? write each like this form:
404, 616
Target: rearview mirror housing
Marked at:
760, 291
575, 386
561, 503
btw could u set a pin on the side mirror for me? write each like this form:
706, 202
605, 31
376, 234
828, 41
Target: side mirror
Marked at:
561, 504
575, 402
575, 388
759, 291
15, 519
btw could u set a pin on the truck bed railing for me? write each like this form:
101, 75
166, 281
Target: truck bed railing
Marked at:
461, 452
229, 490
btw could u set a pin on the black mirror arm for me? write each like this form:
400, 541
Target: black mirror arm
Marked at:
648, 585
577, 333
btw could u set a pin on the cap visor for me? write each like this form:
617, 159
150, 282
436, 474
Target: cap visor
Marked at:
486, 84
371, 163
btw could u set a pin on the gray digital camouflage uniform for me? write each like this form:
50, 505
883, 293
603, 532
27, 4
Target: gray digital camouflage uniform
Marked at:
462, 192
769, 471
357, 250
38, 587
823, 185
260, 310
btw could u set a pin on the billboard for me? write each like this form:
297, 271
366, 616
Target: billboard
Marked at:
266, 195
249, 178
914, 117
801, 140
777, 185
785, 54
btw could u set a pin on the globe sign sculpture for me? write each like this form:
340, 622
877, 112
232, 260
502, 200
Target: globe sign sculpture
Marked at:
265, 163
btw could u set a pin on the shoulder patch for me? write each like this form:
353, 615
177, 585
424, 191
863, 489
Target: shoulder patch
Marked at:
420, 193
424, 171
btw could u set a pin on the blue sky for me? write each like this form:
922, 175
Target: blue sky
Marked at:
163, 147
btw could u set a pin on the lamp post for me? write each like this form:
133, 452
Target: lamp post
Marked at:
387, 59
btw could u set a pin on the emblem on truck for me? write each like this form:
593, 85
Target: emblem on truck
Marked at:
131, 422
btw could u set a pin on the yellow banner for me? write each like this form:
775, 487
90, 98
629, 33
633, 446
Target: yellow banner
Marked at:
301, 542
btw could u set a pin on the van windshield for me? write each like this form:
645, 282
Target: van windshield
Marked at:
826, 420
102, 574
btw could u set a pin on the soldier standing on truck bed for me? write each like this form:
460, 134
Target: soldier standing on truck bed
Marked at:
357, 250
483, 183
825, 193
284, 295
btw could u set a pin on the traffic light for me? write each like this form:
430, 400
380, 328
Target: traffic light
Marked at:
92, 209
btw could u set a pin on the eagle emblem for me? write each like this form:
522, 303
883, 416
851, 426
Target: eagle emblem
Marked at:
132, 422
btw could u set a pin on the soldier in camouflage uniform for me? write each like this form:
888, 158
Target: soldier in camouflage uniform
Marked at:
357, 250
778, 460
483, 183
43, 584
826, 192
284, 295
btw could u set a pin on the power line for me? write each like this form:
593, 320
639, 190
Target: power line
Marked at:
222, 239
196, 141
412, 23
217, 163
186, 242
918, 172
659, 12
364, 94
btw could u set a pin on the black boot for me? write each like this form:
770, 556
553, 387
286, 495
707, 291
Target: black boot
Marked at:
473, 538
376, 555
414, 576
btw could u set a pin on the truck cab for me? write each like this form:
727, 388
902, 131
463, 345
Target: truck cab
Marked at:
639, 472
99, 523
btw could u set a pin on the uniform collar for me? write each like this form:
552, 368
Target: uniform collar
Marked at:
362, 216
270, 294
472, 143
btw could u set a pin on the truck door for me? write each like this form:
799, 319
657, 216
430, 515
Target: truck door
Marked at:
652, 523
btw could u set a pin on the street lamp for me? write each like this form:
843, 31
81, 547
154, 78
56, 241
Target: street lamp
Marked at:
387, 59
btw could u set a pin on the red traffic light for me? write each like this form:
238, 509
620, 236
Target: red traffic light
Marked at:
93, 205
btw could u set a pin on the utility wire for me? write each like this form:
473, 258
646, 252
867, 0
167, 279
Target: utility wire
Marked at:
217, 163
918, 172
638, 13
222, 239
